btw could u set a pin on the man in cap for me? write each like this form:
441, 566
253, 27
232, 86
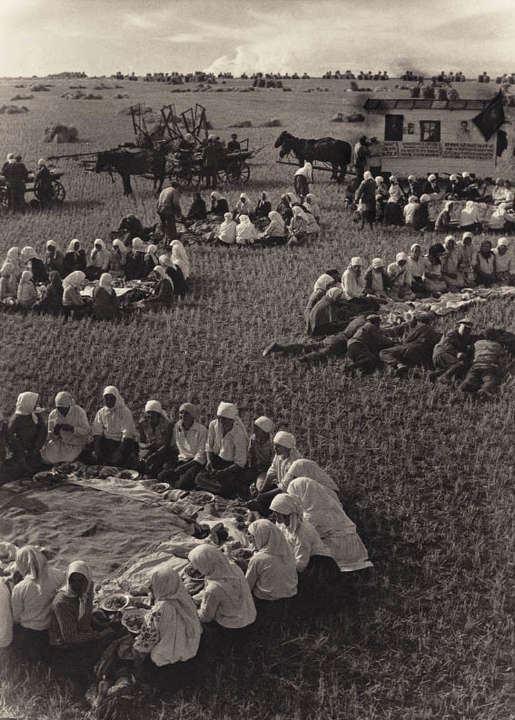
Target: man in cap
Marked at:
10, 172
210, 160
233, 146
365, 345
487, 369
169, 209
226, 450
361, 156
365, 199
452, 355
416, 348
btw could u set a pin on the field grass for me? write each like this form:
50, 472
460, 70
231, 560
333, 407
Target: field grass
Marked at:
424, 472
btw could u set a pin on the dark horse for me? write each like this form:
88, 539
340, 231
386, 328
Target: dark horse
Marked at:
134, 161
337, 153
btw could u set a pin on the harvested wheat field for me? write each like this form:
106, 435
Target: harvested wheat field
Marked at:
424, 472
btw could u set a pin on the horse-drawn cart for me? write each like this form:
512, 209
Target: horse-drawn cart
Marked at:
58, 192
187, 169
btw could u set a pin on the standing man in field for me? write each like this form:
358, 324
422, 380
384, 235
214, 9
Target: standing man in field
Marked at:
169, 209
210, 157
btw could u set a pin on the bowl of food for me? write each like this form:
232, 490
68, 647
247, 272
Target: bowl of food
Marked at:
199, 497
132, 619
128, 475
160, 487
115, 603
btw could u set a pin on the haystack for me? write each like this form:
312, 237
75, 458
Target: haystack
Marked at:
22, 97
242, 124
13, 109
273, 122
61, 134
39, 87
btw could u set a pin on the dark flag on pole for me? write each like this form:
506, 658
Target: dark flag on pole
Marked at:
492, 117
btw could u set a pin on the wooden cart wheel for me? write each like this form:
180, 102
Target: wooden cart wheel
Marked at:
233, 172
4, 199
58, 191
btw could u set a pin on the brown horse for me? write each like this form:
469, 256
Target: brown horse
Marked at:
337, 153
134, 161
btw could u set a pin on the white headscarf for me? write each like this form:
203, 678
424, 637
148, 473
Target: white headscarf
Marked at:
321, 507
159, 270
227, 230
291, 506
75, 279
27, 253
180, 257
268, 539
80, 568
285, 439
324, 282
245, 230
27, 404
276, 227
71, 246
106, 281
138, 245
310, 469
155, 406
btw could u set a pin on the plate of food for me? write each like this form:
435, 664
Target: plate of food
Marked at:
201, 497
128, 475
160, 487
132, 619
115, 603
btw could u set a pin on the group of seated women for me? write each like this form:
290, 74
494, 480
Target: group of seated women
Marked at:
446, 267
53, 285
385, 201
291, 221
298, 536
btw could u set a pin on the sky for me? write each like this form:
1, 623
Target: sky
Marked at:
99, 37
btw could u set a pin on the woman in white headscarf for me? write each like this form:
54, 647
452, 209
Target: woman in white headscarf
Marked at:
302, 467
285, 453
300, 535
75, 258
114, 431
99, 260
299, 227
155, 439
179, 257
54, 258
444, 218
151, 258
26, 435
32, 599
163, 293
26, 294
243, 206
226, 598
118, 257
73, 302
171, 629
226, 452
275, 232
416, 266
324, 511
33, 262
8, 282
72, 608
175, 274
246, 233
68, 431
322, 284
13, 256
226, 233
467, 259
135, 268
470, 218
312, 206
106, 305
271, 572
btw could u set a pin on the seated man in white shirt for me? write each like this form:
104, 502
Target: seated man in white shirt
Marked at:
226, 450
189, 437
